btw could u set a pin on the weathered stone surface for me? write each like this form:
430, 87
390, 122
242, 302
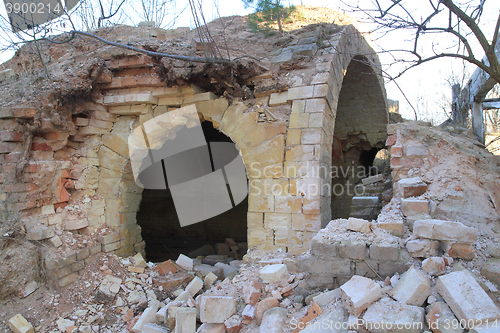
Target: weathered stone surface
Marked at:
434, 265
251, 292
422, 248
415, 207
139, 261
273, 273
108, 288
440, 319
358, 293
274, 320
466, 298
388, 316
491, 270
185, 262
458, 250
411, 187
166, 267
148, 316
18, 324
264, 305
194, 286
216, 309
384, 251
359, 225
445, 231
185, 320
413, 287
211, 328
327, 298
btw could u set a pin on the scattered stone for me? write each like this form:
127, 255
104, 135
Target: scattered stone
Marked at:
248, 312
134, 269
411, 187
64, 324
358, 293
213, 259
166, 267
440, 319
28, 289
147, 317
139, 261
226, 269
222, 249
205, 250
154, 328
185, 320
491, 270
108, 288
413, 287
55, 241
185, 262
263, 306
273, 273
216, 309
194, 286
233, 324
359, 225
372, 179
252, 292
434, 265
466, 298
274, 320
327, 298
458, 250
393, 314
211, 328
422, 248
18, 324
313, 312
209, 280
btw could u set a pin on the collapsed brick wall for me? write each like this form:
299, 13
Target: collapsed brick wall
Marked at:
80, 178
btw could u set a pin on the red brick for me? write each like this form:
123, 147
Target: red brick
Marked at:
60, 205
129, 81
12, 157
61, 155
20, 187
56, 136
396, 151
23, 112
391, 140
166, 267
12, 136
31, 168
2, 178
40, 146
42, 155
6, 147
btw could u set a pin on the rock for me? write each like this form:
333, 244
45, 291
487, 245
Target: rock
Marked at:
63, 324
209, 280
213, 259
184, 262
154, 328
440, 319
252, 292
273, 273
359, 225
216, 309
248, 312
333, 321
387, 316
134, 269
108, 288
466, 298
233, 324
28, 289
372, 179
194, 286
185, 320
211, 328
166, 267
358, 293
205, 250
139, 261
206, 269
263, 306
18, 324
415, 207
274, 320
434, 265
411, 187
147, 317
172, 281
226, 269
222, 249
327, 298
491, 270
458, 250
55, 241
422, 248
445, 231
413, 287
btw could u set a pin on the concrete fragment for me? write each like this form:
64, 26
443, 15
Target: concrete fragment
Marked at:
358, 293
148, 316
185, 262
154, 328
466, 298
413, 287
233, 324
422, 248
252, 292
194, 286
273, 273
491, 270
445, 231
211, 328
440, 319
216, 309
434, 265
264, 305
274, 320
359, 225
388, 316
185, 320
18, 324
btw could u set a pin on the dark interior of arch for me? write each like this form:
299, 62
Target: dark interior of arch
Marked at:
166, 239
360, 131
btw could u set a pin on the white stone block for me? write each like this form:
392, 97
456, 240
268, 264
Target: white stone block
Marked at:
274, 320
216, 309
392, 315
466, 298
359, 225
209, 280
194, 286
147, 317
445, 231
358, 293
226, 269
211, 328
185, 320
273, 273
18, 324
413, 287
185, 262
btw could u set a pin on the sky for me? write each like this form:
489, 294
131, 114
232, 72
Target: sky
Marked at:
425, 86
